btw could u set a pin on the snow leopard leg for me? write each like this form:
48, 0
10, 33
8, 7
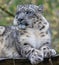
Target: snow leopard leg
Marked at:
35, 56
48, 52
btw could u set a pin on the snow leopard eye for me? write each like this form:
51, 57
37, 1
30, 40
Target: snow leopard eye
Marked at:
28, 12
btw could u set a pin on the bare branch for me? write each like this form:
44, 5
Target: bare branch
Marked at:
8, 12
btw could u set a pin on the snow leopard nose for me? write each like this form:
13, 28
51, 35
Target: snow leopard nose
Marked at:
21, 17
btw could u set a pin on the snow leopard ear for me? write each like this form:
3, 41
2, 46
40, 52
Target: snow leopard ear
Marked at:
18, 7
41, 8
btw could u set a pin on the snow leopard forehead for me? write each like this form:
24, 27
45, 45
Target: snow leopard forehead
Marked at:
31, 7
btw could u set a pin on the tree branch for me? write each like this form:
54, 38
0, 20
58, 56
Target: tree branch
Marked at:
8, 12
55, 61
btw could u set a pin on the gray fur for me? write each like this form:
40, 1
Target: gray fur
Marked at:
29, 37
34, 35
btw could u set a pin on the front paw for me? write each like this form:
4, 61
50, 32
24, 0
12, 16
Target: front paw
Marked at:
52, 52
47, 52
36, 57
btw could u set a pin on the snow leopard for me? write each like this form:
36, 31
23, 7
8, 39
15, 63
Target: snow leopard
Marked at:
29, 37
34, 38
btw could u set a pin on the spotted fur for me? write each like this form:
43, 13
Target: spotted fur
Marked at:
30, 35
34, 35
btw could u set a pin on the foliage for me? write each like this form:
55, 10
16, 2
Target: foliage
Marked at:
51, 12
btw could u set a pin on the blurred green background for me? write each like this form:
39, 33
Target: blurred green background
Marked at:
51, 12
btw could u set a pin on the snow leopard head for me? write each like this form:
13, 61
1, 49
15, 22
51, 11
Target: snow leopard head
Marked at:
30, 16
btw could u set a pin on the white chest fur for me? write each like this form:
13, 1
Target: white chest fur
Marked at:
34, 38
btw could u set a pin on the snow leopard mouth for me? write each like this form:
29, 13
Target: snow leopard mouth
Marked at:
22, 24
